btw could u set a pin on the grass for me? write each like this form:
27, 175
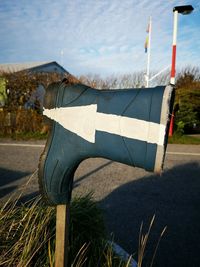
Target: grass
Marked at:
27, 235
184, 139
143, 239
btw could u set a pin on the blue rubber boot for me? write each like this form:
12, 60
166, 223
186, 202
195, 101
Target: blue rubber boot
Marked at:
128, 126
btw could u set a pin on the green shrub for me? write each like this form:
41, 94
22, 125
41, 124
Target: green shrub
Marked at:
187, 100
20, 121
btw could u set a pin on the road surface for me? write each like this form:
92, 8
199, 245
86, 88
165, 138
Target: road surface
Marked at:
128, 196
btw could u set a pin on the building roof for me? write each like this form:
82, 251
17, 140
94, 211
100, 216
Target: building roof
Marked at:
51, 66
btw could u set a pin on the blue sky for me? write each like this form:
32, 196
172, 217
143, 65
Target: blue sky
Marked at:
97, 36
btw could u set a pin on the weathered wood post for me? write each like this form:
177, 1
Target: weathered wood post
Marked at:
62, 236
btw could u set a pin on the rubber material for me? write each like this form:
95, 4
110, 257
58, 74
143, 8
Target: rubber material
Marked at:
65, 150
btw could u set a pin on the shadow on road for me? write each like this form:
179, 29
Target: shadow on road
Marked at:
174, 198
8, 177
7, 190
77, 181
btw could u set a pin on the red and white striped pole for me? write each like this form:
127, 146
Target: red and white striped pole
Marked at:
184, 10
173, 66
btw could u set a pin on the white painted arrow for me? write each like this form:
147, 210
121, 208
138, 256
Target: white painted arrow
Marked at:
85, 120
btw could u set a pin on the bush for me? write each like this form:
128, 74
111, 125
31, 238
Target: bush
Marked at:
187, 100
23, 109
20, 121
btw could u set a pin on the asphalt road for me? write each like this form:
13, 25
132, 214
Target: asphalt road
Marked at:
128, 196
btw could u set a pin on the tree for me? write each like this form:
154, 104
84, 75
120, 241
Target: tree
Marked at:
188, 99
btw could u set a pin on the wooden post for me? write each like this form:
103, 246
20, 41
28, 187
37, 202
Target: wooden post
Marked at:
62, 236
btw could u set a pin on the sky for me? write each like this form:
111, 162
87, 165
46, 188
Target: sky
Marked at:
97, 36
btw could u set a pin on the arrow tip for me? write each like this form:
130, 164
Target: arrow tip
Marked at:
79, 120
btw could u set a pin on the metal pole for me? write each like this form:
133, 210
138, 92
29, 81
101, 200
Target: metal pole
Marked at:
173, 66
157, 74
148, 53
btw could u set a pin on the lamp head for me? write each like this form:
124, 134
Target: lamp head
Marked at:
184, 10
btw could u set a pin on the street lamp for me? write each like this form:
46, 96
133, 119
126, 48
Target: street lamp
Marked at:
184, 10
